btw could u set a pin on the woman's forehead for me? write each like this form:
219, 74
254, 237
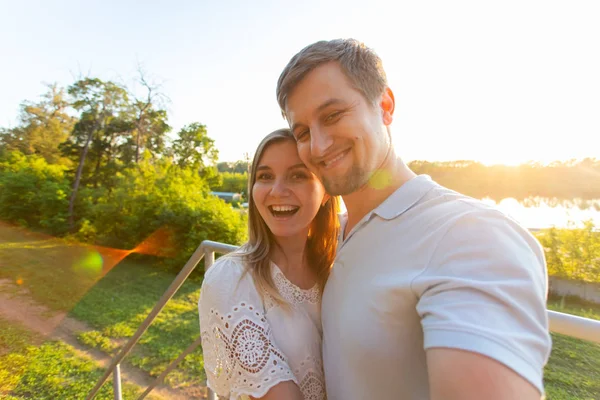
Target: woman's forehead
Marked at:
282, 154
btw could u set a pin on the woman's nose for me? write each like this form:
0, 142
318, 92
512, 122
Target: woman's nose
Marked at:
279, 188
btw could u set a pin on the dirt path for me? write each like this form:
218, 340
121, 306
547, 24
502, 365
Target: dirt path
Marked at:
17, 306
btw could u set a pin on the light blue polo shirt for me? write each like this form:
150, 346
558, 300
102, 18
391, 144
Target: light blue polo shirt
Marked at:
430, 268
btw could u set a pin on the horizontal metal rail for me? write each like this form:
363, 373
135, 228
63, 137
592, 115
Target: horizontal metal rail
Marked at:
574, 326
566, 324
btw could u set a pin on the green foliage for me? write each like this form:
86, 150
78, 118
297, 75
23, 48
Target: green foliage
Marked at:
33, 192
233, 182
161, 195
193, 147
572, 253
239, 167
44, 125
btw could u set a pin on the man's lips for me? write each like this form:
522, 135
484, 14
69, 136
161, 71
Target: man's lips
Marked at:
331, 161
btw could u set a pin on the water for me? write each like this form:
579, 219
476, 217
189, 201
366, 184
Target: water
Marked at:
539, 213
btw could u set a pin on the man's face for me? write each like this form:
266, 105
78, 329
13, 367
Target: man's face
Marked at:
340, 136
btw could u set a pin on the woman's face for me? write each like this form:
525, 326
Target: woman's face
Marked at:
286, 194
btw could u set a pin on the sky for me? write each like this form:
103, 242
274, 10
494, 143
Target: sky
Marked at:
497, 82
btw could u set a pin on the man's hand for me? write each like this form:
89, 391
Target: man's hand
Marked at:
463, 375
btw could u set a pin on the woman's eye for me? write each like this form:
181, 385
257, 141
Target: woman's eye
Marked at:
263, 177
299, 175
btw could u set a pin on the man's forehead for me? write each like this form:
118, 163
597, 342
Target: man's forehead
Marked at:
321, 87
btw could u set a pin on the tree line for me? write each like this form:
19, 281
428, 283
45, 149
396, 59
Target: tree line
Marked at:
560, 180
96, 162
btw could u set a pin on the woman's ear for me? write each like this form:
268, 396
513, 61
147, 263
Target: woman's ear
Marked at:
325, 199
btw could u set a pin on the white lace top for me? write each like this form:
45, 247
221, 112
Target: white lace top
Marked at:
250, 345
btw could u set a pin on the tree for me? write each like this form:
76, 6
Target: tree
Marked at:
43, 126
100, 103
194, 148
150, 123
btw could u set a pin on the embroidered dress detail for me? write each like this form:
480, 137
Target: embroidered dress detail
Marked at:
239, 353
310, 374
250, 343
292, 293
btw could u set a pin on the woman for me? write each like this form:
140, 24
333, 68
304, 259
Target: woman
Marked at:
260, 306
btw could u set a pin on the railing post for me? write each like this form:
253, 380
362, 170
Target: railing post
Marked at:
209, 260
117, 382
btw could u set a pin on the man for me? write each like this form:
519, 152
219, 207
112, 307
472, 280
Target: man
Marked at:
433, 294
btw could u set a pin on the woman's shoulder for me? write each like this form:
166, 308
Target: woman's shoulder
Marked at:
230, 266
227, 279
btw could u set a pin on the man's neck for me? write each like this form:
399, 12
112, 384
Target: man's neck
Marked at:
382, 184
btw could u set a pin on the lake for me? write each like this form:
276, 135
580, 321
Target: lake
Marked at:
539, 213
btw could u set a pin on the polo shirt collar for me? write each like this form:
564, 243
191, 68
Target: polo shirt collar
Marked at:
405, 197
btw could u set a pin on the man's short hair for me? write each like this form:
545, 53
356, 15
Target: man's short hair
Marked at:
361, 65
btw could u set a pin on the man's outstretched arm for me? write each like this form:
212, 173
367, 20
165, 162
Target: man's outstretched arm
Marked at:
463, 375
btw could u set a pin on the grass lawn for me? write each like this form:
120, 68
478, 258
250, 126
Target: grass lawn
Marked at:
48, 370
573, 371
119, 302
116, 304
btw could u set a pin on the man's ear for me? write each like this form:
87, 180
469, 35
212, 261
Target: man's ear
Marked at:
325, 199
388, 105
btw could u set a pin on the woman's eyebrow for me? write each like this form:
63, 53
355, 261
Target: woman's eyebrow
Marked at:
300, 165
263, 167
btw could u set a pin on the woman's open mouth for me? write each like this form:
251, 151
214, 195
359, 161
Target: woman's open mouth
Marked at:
283, 210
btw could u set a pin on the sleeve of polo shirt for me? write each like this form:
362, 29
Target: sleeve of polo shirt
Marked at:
484, 290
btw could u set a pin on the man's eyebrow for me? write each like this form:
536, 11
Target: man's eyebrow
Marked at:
328, 103
323, 106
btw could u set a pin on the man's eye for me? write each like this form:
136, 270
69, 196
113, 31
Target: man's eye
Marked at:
302, 135
333, 116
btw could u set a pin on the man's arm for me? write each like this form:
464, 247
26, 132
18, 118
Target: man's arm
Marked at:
482, 303
463, 375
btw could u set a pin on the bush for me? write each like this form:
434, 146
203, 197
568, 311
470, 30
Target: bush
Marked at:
34, 193
572, 253
160, 209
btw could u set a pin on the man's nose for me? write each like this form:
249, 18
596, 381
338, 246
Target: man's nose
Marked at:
320, 142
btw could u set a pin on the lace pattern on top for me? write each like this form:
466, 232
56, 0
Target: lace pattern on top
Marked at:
290, 292
239, 354
311, 376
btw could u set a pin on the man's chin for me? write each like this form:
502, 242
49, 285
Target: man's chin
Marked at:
341, 186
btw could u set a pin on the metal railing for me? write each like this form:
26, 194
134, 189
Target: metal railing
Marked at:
566, 324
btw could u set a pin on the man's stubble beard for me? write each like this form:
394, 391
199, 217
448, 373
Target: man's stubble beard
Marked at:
346, 184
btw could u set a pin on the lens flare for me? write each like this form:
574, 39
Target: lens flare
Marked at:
381, 179
90, 264
160, 243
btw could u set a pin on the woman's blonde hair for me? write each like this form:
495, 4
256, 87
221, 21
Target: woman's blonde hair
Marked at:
322, 236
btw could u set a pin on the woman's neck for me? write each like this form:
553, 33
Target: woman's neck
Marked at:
289, 253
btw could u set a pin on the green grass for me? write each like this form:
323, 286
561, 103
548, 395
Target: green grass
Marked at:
54, 272
573, 371
119, 303
51, 370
